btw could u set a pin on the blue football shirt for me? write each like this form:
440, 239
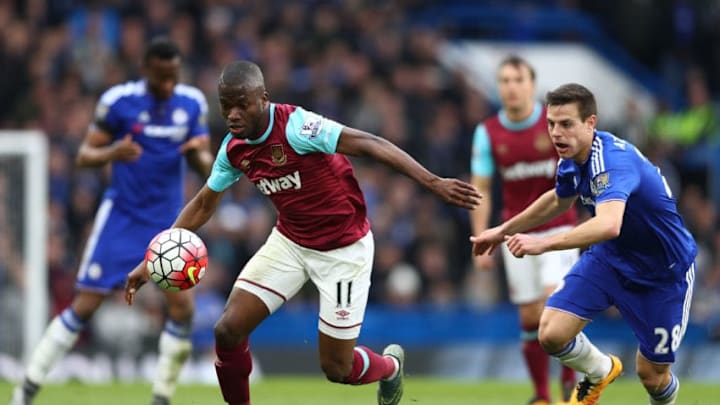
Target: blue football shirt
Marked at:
151, 188
653, 244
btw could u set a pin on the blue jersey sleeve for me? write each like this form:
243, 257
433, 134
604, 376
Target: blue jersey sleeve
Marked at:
308, 132
223, 174
481, 162
618, 180
565, 181
199, 125
106, 112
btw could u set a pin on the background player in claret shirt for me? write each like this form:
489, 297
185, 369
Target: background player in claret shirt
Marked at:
322, 234
514, 144
145, 129
640, 259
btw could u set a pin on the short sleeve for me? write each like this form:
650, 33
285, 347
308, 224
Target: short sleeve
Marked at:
615, 183
481, 161
223, 173
106, 117
565, 180
308, 132
199, 125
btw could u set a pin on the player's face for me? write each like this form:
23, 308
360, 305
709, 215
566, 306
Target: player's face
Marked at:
571, 135
162, 75
516, 87
244, 109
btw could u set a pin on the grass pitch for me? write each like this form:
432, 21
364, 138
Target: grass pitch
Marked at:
317, 391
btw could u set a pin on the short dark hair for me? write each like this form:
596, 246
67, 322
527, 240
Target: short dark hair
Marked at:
243, 72
574, 93
516, 62
162, 48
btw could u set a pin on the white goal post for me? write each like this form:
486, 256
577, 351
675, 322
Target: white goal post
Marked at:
32, 147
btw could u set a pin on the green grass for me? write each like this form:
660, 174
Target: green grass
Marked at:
317, 391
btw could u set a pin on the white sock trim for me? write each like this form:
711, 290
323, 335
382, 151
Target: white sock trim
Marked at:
366, 361
397, 368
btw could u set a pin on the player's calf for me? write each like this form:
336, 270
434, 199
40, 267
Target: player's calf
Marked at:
336, 367
666, 395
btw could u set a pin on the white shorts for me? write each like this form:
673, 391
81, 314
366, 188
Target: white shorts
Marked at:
529, 277
342, 276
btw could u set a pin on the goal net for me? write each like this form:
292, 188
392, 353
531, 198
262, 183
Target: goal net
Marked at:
23, 239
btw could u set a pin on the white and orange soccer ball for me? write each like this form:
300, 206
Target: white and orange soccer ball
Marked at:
176, 259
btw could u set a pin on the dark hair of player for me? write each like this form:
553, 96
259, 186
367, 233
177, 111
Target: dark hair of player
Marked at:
573, 93
161, 48
517, 62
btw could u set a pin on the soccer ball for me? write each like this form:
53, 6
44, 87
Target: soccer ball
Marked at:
176, 259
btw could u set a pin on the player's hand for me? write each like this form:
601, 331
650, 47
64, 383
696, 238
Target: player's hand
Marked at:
522, 244
487, 241
135, 280
126, 150
484, 262
457, 192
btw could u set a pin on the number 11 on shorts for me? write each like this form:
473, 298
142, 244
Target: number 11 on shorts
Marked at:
348, 293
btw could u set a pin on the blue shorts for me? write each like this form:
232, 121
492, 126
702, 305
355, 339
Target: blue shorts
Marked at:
116, 245
657, 314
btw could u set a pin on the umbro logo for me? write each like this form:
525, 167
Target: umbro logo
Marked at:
342, 315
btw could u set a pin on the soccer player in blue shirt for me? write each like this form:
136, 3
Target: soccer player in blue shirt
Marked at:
146, 130
640, 256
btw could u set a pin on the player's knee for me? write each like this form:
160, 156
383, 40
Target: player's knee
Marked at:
551, 340
336, 369
227, 335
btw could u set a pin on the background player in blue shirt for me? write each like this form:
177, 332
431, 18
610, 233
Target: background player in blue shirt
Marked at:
640, 256
145, 129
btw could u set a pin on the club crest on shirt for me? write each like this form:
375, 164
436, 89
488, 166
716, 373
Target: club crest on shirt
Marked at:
542, 142
278, 155
600, 183
311, 127
179, 116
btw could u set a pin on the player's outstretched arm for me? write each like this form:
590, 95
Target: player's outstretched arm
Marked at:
544, 208
354, 142
199, 210
195, 214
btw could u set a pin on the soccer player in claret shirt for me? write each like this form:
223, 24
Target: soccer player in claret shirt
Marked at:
297, 158
640, 256
145, 129
514, 144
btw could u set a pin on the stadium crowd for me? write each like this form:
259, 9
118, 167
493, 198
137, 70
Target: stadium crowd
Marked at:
370, 67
